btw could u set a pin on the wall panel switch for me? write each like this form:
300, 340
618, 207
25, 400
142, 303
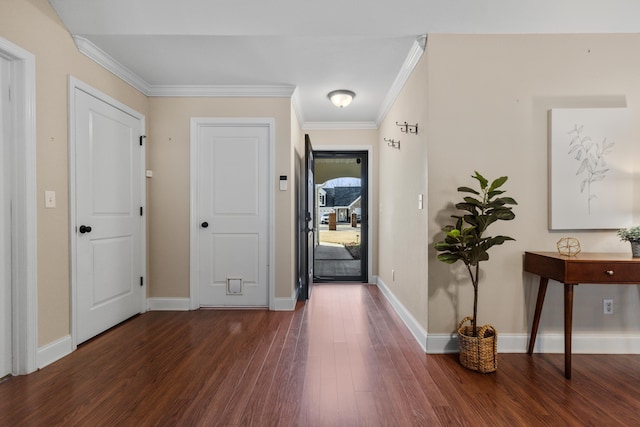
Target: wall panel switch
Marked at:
49, 199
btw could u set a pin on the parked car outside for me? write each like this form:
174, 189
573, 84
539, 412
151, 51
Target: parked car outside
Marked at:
324, 218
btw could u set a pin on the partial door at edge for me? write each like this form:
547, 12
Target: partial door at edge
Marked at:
233, 201
5, 223
108, 229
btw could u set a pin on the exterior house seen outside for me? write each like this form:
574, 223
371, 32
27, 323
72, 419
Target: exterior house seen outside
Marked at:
344, 201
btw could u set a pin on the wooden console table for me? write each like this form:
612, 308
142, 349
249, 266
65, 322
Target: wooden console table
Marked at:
594, 268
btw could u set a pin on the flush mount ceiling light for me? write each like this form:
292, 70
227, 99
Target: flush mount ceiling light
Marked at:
341, 98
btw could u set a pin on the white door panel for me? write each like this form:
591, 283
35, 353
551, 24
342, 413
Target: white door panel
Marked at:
108, 200
232, 189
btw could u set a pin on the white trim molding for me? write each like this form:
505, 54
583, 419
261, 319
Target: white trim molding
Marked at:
417, 49
412, 324
56, 350
339, 125
87, 48
93, 52
582, 343
231, 91
24, 344
286, 304
168, 304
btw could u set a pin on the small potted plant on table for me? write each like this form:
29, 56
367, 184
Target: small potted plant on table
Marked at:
466, 241
631, 235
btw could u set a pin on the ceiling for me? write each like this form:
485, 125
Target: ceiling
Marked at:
302, 48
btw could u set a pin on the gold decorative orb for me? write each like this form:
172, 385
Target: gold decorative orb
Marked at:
568, 246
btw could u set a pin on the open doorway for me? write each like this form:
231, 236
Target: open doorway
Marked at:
341, 202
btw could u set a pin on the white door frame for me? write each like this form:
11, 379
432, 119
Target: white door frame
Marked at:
74, 84
23, 227
371, 212
196, 124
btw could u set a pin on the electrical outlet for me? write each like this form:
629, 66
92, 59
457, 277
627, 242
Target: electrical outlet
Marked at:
607, 306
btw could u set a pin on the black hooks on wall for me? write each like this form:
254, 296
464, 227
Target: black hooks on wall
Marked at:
407, 128
392, 143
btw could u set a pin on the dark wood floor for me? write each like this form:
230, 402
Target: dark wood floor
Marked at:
344, 359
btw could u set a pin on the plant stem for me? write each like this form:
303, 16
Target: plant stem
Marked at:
474, 282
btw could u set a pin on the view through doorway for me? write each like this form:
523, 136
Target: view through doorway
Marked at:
341, 200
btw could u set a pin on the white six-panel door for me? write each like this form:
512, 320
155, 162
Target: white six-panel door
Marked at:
108, 228
232, 188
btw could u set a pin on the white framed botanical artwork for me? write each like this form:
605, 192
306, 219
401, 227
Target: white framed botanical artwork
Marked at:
591, 168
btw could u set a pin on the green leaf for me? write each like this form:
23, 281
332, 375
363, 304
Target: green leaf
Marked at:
481, 179
473, 208
497, 183
494, 193
468, 190
473, 201
508, 201
454, 233
448, 258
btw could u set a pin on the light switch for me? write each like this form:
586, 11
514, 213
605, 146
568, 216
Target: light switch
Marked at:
49, 199
283, 183
149, 173
420, 203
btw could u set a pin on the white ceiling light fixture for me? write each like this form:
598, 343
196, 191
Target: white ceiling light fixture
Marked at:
341, 98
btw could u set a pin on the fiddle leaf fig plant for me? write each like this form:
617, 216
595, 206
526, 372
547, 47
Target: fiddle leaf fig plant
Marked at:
466, 241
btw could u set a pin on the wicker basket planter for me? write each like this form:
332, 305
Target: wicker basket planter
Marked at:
478, 353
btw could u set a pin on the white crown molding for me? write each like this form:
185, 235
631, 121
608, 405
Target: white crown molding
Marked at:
417, 49
247, 91
339, 125
92, 51
296, 104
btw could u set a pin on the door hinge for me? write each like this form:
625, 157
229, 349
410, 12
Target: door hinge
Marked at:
140, 210
142, 137
141, 281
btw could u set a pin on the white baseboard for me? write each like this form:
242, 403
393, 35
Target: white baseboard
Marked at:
582, 343
168, 304
49, 353
547, 343
286, 304
412, 324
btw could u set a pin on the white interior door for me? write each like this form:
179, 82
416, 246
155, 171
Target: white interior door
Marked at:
233, 200
108, 220
5, 222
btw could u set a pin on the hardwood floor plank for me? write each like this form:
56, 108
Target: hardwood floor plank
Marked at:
342, 359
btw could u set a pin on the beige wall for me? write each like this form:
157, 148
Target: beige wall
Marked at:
488, 98
351, 139
34, 26
168, 190
402, 227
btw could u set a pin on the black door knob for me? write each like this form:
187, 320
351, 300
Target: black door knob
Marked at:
84, 229
204, 224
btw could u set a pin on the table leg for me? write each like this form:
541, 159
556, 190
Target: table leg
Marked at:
568, 320
542, 290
